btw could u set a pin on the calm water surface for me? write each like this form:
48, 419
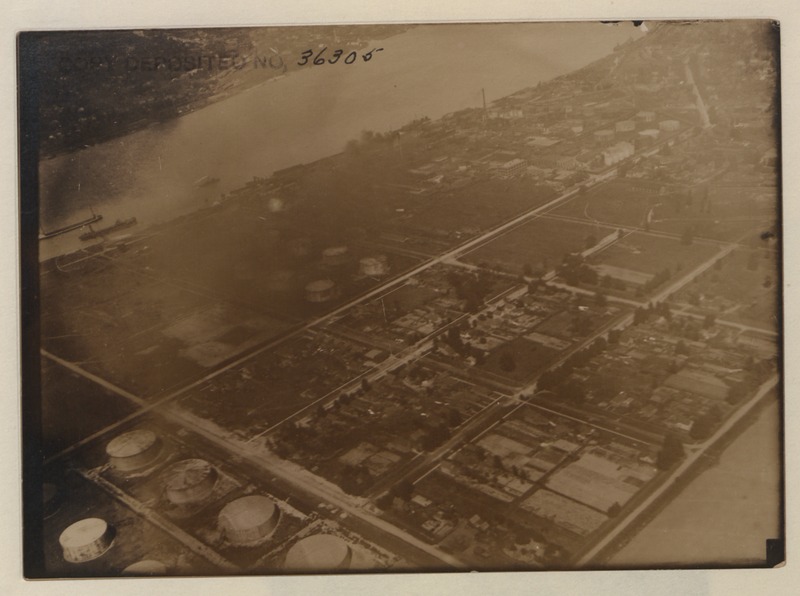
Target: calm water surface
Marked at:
309, 114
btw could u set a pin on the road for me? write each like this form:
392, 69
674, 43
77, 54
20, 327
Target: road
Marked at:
309, 484
701, 105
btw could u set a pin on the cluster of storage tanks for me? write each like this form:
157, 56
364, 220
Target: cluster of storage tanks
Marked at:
323, 290
243, 522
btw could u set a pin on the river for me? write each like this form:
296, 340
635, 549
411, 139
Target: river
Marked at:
312, 112
725, 514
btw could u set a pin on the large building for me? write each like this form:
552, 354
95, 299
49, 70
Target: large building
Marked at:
616, 153
512, 168
603, 136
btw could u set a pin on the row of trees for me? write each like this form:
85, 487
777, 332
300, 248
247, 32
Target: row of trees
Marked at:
551, 379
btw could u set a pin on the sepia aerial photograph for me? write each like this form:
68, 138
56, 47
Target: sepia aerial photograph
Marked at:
392, 298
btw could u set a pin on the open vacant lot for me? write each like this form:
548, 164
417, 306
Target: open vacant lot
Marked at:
541, 244
616, 203
726, 214
651, 254
740, 288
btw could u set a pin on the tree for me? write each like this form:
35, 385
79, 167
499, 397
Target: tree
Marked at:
600, 299
403, 490
364, 385
704, 426
688, 236
507, 361
671, 452
454, 417
709, 320
571, 391
384, 501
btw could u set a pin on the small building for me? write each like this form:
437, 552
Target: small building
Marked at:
650, 133
604, 135
566, 162
509, 114
646, 116
625, 126
669, 125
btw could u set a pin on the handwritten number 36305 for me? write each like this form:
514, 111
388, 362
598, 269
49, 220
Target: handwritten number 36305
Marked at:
305, 57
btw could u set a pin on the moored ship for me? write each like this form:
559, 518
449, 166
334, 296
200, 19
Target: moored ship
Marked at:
120, 224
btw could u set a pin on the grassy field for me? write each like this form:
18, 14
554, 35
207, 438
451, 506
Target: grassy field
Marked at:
540, 243
651, 254
615, 203
478, 205
736, 289
729, 212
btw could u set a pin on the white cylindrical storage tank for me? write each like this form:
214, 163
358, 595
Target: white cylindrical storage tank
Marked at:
133, 450
86, 540
321, 290
372, 266
320, 552
190, 481
248, 521
146, 567
335, 255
